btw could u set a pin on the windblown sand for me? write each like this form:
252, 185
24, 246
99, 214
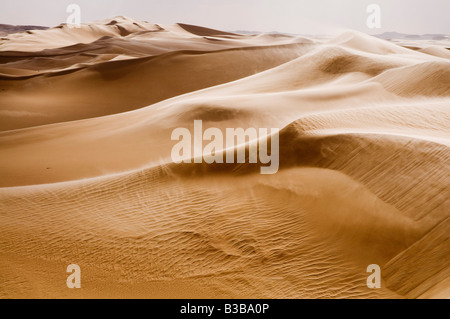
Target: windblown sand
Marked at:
86, 175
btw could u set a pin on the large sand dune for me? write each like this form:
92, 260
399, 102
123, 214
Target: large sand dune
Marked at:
86, 117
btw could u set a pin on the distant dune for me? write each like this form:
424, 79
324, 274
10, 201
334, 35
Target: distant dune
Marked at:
86, 117
397, 35
8, 29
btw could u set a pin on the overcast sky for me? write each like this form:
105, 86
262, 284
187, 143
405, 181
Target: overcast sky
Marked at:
293, 16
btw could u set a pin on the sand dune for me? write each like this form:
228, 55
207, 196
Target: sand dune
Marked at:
86, 117
114, 74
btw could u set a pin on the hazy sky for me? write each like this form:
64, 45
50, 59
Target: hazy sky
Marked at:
294, 16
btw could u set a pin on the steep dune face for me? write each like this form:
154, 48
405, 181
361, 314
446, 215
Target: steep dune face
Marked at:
118, 86
87, 174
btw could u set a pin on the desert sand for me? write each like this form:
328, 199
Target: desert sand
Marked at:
87, 178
